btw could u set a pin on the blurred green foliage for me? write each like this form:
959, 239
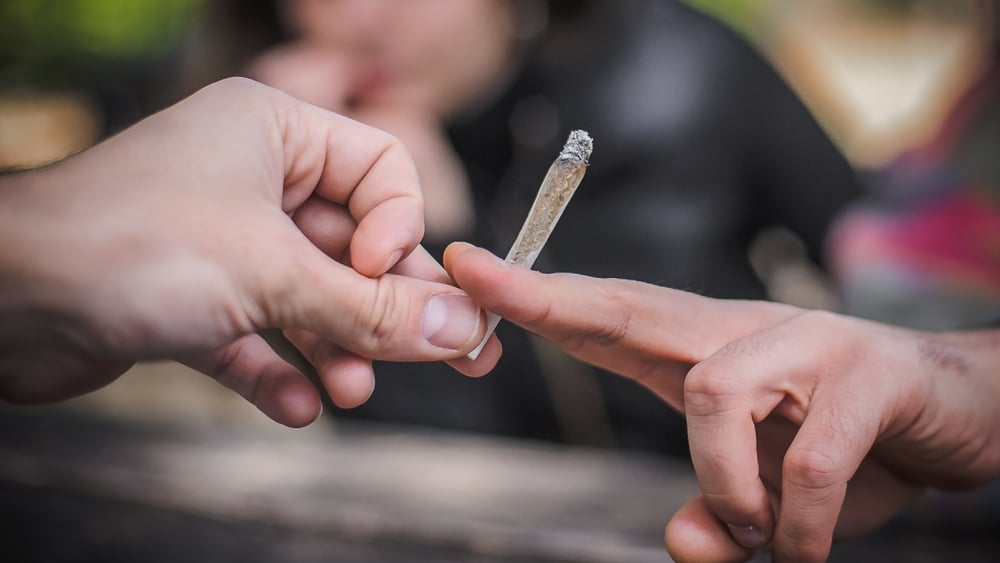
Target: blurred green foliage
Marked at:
745, 15
61, 41
904, 8
741, 15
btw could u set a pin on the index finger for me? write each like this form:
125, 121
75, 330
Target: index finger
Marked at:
634, 329
367, 170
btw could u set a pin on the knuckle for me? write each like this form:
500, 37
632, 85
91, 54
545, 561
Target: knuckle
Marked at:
379, 317
801, 543
230, 370
616, 330
735, 502
709, 388
811, 468
225, 362
397, 156
541, 316
613, 325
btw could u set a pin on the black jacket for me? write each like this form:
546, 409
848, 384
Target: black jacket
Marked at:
699, 146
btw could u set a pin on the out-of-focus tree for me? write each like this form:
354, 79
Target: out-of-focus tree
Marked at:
61, 42
73, 71
741, 15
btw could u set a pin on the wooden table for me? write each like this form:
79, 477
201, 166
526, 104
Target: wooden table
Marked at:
84, 488
71, 485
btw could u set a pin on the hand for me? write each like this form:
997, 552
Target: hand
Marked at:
327, 76
238, 209
803, 426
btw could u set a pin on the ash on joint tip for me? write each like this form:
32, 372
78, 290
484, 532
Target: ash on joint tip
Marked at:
578, 147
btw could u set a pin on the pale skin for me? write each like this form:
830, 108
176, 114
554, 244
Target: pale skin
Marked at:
805, 427
241, 209
238, 209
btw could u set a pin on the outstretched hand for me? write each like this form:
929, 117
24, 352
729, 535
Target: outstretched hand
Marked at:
803, 426
238, 209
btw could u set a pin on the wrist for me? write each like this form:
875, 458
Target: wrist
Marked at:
981, 351
29, 287
20, 313
15, 275
956, 432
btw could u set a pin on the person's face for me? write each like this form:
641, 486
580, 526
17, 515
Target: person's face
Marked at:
437, 55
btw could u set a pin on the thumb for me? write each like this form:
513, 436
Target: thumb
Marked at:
390, 317
695, 534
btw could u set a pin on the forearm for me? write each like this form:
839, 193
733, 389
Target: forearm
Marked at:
30, 323
30, 234
14, 275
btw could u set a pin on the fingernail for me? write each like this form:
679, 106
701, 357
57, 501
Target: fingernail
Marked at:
463, 246
450, 321
750, 537
460, 246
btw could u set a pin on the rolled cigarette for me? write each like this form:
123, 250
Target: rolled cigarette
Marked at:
554, 194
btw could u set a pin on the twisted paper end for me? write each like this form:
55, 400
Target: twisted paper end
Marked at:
578, 147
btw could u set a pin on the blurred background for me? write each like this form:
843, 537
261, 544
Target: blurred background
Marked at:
829, 154
879, 74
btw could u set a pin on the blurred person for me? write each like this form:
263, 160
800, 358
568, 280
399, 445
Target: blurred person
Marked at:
132, 251
923, 249
406, 67
700, 147
805, 426
226, 214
